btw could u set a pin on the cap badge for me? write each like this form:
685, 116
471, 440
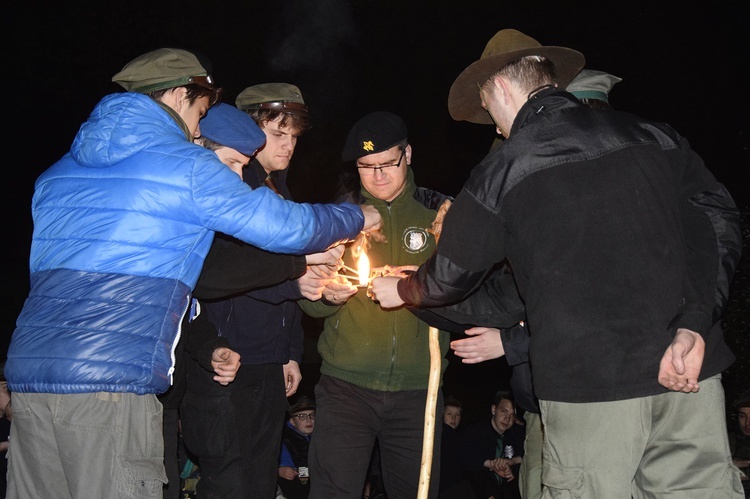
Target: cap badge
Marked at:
368, 146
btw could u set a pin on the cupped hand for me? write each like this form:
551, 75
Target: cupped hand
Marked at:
485, 343
680, 366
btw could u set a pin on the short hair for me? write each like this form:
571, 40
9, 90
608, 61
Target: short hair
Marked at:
288, 119
194, 92
453, 402
501, 395
743, 400
529, 72
208, 143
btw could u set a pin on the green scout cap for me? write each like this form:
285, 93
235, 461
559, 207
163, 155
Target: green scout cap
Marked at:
163, 68
591, 84
282, 97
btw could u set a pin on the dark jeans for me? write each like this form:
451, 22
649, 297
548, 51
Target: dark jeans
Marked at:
171, 444
348, 420
235, 430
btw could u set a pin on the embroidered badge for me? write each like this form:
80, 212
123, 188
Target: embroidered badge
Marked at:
415, 239
367, 145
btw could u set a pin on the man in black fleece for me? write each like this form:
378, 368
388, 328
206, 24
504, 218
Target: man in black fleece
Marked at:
622, 245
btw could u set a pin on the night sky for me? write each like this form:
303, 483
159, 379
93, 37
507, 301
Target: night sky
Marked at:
682, 62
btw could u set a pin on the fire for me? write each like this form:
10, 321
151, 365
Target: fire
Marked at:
363, 269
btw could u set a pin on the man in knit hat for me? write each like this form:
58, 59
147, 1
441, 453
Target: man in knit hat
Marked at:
122, 224
375, 362
622, 246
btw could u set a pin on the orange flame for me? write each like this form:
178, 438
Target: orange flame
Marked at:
363, 269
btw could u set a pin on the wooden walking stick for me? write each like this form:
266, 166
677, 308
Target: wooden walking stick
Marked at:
428, 440
433, 383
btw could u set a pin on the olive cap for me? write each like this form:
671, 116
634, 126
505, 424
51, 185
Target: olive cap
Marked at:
163, 68
283, 97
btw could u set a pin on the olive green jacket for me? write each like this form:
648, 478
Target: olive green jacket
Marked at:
363, 344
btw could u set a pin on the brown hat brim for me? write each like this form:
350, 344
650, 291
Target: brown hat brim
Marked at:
464, 103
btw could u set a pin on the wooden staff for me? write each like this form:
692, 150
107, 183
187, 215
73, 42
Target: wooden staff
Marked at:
428, 440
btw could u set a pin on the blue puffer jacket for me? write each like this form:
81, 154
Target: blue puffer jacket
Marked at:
122, 225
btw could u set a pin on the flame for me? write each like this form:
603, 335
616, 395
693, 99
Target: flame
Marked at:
363, 269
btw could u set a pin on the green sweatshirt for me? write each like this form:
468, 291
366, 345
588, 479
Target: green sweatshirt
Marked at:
365, 345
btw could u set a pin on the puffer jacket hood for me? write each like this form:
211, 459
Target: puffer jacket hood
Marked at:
121, 126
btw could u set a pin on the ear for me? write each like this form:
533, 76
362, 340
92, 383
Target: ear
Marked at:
407, 153
503, 86
175, 98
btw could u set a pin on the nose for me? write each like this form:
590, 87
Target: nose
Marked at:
197, 132
290, 142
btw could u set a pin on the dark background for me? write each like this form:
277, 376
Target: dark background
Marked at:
682, 62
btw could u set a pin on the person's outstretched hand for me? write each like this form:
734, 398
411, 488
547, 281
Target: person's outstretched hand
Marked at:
331, 257
372, 217
383, 290
681, 364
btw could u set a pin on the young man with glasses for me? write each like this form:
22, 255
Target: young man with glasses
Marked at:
294, 476
375, 362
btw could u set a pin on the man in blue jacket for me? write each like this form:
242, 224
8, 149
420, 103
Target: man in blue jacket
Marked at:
122, 224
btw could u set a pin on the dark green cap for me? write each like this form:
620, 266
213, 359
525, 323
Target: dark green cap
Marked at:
163, 68
283, 97
591, 84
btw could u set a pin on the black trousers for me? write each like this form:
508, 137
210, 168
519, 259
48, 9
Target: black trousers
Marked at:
348, 420
235, 430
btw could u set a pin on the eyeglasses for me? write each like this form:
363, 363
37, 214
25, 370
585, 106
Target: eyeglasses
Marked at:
304, 417
386, 168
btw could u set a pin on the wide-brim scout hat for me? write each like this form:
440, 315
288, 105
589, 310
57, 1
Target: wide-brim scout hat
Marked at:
163, 68
282, 97
508, 45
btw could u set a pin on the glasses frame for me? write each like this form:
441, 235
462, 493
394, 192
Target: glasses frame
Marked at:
370, 170
304, 417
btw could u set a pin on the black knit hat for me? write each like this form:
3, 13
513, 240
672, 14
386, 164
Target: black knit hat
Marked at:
374, 133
